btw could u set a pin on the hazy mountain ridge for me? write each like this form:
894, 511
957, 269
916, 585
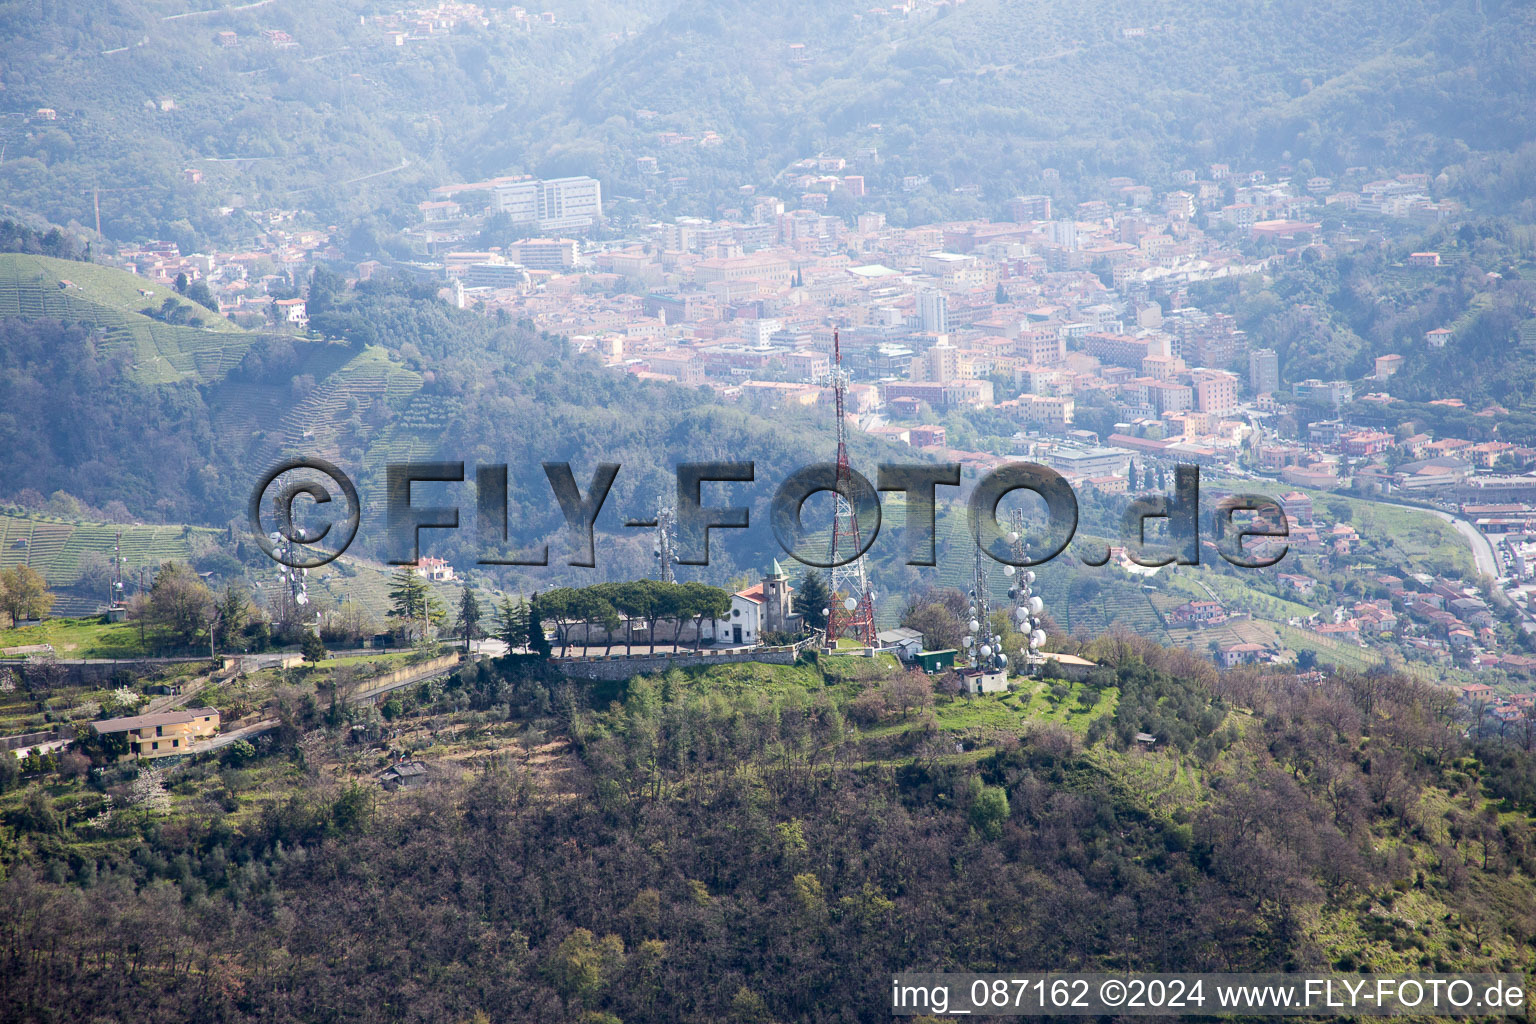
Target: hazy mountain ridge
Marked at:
987, 93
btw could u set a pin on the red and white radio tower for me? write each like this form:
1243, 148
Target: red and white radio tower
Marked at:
852, 613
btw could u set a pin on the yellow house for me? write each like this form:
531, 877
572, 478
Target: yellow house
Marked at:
170, 732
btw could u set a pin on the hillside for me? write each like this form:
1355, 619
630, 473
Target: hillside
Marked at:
175, 424
301, 104
987, 93
317, 107
755, 843
114, 302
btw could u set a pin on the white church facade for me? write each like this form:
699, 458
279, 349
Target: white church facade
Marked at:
764, 607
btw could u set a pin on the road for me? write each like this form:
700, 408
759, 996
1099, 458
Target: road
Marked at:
404, 163
410, 680
225, 739
1482, 551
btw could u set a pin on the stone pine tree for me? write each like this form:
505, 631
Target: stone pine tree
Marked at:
469, 616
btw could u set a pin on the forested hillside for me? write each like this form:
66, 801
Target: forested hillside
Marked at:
988, 92
309, 105
757, 843
329, 115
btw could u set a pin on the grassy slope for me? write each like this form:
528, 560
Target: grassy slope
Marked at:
108, 286
109, 300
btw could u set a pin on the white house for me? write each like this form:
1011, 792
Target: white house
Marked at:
291, 311
436, 570
976, 680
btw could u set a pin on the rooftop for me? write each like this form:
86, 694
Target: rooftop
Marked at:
135, 722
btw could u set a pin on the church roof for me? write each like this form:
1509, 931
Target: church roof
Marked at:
754, 593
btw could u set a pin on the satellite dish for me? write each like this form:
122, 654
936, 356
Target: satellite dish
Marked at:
851, 604
1013, 536
1036, 606
825, 612
967, 641
1009, 570
975, 625
986, 652
1029, 576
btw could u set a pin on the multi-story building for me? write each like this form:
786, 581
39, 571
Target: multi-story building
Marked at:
1089, 462
760, 266
1335, 392
1298, 507
1215, 392
1366, 442
1040, 346
1198, 613
941, 363
559, 204
941, 396
1165, 396
1050, 412
1027, 208
544, 253
933, 311
807, 365
164, 734
1180, 205
1123, 349
492, 275
1264, 371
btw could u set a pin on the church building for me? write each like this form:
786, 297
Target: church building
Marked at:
765, 607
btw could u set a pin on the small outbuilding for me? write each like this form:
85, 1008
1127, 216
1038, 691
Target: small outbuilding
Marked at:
405, 775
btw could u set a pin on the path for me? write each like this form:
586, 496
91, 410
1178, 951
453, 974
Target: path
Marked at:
215, 10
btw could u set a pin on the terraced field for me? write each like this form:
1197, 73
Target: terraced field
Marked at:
313, 425
109, 300
54, 547
1332, 651
1237, 631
